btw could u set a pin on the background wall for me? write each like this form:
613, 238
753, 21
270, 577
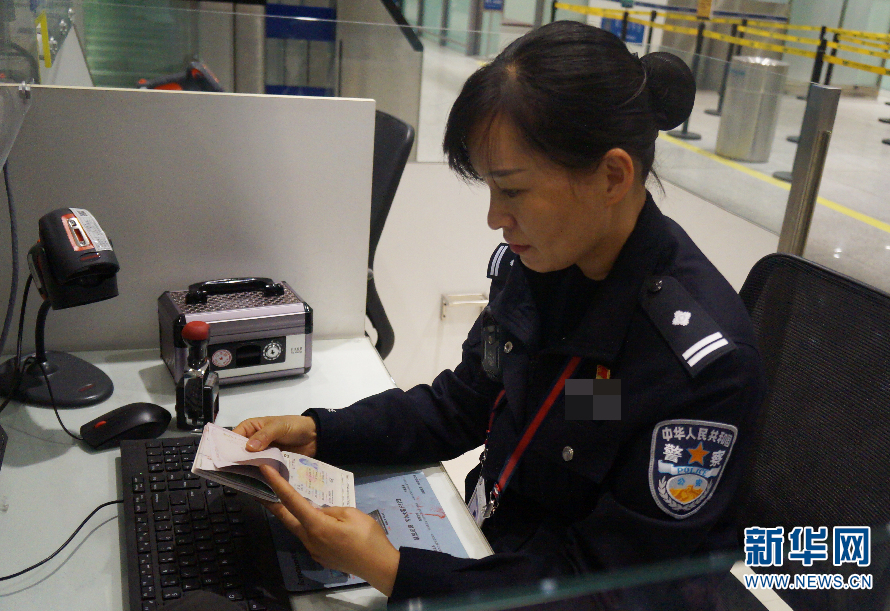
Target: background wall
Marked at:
436, 241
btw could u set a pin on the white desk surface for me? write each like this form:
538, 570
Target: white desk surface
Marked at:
49, 482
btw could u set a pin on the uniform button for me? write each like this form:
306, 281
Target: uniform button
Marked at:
508, 347
568, 453
655, 286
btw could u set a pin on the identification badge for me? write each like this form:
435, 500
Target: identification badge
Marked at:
477, 505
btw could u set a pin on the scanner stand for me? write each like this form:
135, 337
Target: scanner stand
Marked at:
74, 382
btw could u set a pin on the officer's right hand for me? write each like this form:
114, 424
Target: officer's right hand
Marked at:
291, 433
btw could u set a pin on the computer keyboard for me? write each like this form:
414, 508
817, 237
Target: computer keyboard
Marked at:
183, 532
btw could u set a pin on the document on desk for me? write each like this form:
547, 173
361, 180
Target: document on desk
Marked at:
222, 458
403, 504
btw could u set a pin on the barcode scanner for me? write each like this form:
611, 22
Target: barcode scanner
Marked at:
72, 264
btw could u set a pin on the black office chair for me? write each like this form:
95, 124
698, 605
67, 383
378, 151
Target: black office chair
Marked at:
393, 139
822, 448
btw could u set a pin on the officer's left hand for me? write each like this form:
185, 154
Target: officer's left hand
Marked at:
341, 538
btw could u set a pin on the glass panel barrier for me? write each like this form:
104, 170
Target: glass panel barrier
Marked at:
28, 38
416, 71
850, 231
667, 586
716, 582
433, 20
124, 43
458, 24
522, 12
561, 13
413, 75
411, 10
755, 187
743, 146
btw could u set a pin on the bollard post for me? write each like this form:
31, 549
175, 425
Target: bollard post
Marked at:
815, 134
817, 69
685, 134
624, 26
817, 63
814, 78
473, 38
738, 50
830, 67
716, 112
652, 16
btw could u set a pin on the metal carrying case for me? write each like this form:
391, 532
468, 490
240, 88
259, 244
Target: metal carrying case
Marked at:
259, 329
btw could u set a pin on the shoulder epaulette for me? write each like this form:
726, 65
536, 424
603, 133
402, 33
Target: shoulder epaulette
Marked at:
687, 328
500, 262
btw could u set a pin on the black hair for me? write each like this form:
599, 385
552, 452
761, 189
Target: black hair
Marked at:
574, 92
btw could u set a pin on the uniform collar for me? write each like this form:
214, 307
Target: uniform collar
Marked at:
604, 326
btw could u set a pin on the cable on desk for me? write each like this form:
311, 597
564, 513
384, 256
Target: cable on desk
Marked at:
17, 371
20, 366
14, 241
55, 553
53, 401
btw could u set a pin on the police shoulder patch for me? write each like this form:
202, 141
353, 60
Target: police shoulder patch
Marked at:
687, 328
687, 461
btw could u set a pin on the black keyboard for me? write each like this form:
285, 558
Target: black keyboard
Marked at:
184, 532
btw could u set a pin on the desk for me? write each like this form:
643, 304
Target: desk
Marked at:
49, 482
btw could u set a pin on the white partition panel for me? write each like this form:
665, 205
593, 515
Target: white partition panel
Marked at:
198, 186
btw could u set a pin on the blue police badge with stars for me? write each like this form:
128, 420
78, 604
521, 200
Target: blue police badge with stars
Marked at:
687, 461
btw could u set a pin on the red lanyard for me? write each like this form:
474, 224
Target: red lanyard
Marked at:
530, 431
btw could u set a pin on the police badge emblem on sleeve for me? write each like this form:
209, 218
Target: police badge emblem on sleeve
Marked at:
687, 461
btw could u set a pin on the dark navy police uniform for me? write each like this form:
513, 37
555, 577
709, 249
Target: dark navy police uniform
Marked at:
586, 495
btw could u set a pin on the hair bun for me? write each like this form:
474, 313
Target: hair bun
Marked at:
672, 86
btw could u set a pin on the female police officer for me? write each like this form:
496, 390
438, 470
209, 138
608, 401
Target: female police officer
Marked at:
593, 284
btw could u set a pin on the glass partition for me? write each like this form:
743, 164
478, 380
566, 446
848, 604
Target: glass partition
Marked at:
740, 144
124, 43
563, 13
743, 146
726, 166
716, 582
20, 54
747, 115
738, 139
666, 586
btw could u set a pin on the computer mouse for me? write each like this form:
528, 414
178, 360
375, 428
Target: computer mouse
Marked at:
133, 421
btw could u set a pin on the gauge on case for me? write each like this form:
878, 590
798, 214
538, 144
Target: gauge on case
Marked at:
272, 351
221, 358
